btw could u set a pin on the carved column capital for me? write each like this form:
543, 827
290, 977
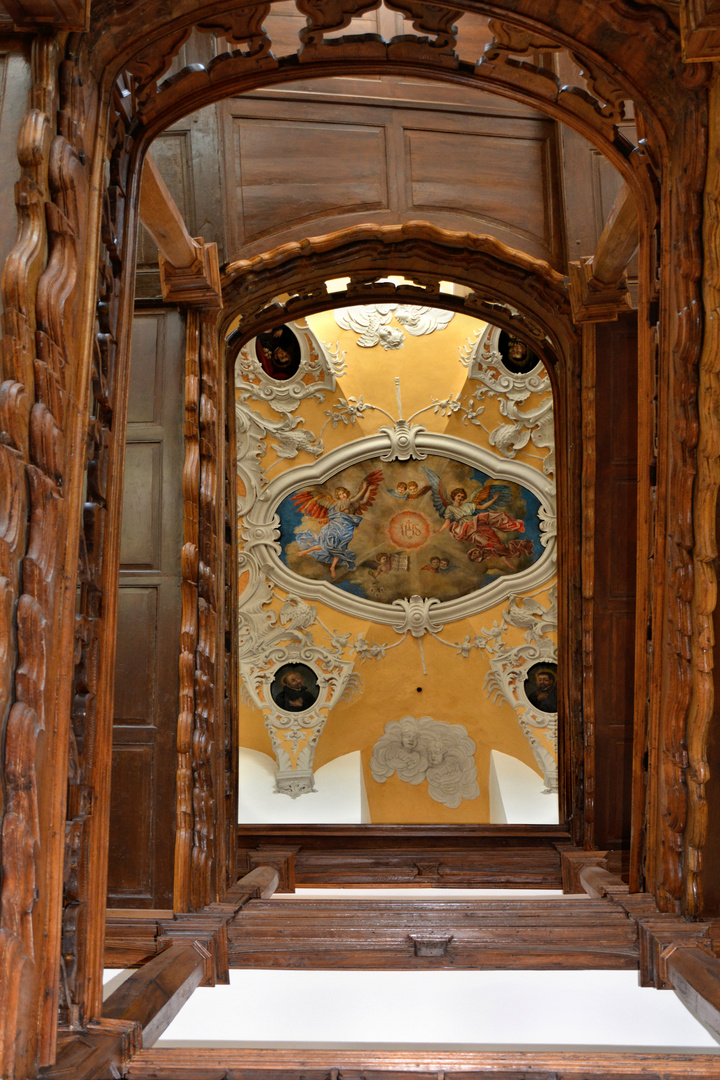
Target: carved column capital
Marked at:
659, 936
196, 285
593, 300
573, 861
281, 859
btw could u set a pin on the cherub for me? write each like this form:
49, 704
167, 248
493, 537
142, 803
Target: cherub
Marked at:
414, 492
399, 492
381, 564
434, 565
342, 512
471, 520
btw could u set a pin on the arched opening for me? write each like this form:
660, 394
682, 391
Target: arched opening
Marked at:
66, 344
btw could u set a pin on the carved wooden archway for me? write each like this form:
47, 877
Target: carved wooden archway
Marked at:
95, 107
515, 292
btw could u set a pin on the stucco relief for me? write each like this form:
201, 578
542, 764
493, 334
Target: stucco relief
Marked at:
286, 365
410, 528
292, 680
525, 676
371, 322
423, 749
507, 369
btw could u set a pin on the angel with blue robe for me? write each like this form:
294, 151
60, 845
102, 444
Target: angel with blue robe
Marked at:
342, 513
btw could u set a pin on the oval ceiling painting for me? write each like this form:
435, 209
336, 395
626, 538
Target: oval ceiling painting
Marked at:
432, 528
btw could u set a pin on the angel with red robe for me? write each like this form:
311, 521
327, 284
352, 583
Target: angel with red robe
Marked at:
342, 513
471, 520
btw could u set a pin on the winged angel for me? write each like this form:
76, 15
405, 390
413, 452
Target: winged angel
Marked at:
471, 520
342, 513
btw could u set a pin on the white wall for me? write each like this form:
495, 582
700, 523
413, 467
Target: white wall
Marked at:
435, 1010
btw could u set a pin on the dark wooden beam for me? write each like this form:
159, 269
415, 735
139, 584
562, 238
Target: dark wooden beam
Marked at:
424, 934
694, 975
189, 268
521, 857
132, 937
156, 992
102, 1050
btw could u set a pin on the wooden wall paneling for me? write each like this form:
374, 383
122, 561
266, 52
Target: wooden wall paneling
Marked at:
393, 164
498, 175
613, 619
146, 683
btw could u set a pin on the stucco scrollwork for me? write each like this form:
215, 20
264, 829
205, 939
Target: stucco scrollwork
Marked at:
292, 680
416, 616
288, 439
403, 442
513, 386
423, 749
288, 371
517, 673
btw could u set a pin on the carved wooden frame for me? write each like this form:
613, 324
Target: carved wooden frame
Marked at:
49, 282
498, 278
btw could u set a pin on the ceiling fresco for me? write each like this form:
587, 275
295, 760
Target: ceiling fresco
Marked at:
396, 509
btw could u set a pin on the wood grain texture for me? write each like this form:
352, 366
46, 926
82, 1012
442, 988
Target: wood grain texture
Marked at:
521, 857
631, 51
425, 1065
382, 934
189, 625
703, 707
141, 852
202, 798
154, 995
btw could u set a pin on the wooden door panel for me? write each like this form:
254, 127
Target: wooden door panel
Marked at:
142, 821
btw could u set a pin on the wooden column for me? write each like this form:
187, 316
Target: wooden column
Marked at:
201, 854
